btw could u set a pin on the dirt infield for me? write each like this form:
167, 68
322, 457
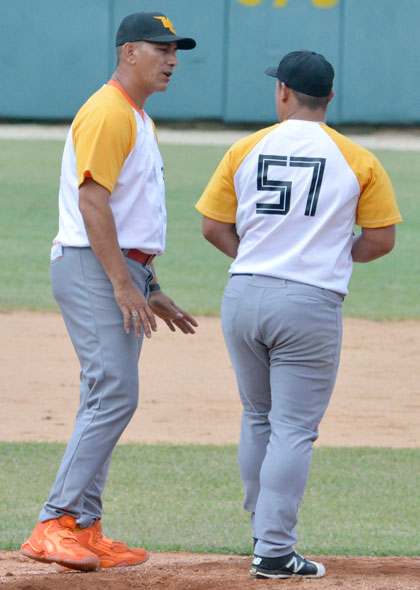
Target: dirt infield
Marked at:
194, 399
184, 571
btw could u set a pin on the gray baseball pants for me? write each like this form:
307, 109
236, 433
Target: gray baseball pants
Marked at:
284, 341
109, 381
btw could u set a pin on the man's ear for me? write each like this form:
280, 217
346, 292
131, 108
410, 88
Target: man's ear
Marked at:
331, 95
284, 92
128, 52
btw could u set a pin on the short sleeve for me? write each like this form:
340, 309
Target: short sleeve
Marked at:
377, 205
103, 136
219, 201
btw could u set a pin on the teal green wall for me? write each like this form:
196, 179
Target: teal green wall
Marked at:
381, 60
54, 54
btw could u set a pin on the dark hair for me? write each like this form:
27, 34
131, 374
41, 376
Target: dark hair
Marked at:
312, 103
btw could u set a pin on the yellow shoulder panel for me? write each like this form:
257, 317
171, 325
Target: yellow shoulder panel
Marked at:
104, 133
219, 200
377, 203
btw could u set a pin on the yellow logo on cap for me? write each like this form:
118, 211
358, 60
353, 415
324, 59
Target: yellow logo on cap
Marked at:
166, 23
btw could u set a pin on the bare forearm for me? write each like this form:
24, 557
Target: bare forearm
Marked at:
373, 243
226, 243
100, 228
222, 235
102, 234
364, 251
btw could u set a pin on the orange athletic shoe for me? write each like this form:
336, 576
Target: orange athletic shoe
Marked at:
54, 541
111, 553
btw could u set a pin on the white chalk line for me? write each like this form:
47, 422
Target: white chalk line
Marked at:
404, 140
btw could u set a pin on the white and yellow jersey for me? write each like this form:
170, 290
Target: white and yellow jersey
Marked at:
295, 191
114, 142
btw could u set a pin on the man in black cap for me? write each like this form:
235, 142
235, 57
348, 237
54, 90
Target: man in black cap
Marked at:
112, 224
283, 203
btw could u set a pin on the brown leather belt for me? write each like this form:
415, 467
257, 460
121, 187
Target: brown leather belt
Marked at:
138, 255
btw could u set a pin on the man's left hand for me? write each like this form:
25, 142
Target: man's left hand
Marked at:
174, 316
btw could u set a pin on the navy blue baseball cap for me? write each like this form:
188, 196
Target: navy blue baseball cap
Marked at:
150, 26
305, 71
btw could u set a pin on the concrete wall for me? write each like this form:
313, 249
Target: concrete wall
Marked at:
54, 54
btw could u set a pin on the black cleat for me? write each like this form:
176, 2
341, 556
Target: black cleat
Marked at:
292, 565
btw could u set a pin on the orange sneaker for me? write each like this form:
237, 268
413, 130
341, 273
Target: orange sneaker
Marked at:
111, 553
54, 541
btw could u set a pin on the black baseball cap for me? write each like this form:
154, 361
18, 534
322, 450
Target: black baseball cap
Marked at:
305, 71
150, 26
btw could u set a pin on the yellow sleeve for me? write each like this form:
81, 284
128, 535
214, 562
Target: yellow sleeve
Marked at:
104, 133
377, 205
219, 200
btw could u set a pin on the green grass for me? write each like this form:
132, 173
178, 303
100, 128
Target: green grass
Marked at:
191, 271
29, 173
361, 501
387, 288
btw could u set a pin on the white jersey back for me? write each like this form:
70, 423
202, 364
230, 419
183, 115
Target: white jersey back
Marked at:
297, 199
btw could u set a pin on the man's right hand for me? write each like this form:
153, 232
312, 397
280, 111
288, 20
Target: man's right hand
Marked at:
134, 306
100, 227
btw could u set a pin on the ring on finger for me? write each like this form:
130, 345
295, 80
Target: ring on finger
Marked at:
135, 314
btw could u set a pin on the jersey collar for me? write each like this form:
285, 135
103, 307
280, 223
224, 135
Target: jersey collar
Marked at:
125, 95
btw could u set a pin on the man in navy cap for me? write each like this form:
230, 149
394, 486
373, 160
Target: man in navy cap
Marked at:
282, 204
112, 223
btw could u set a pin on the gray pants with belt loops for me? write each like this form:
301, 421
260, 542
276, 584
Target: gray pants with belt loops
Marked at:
284, 341
109, 384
